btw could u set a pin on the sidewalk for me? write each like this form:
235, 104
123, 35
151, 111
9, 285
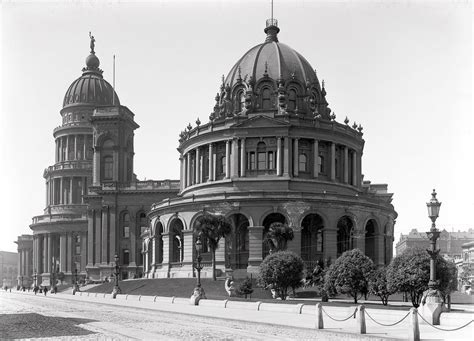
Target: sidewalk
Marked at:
292, 315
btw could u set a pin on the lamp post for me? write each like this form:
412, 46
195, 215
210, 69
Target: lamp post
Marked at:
432, 299
76, 285
116, 290
198, 290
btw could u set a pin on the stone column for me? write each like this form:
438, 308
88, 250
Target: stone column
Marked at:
211, 163
379, 249
286, 157
62, 252
234, 171
354, 168
243, 158
133, 240
201, 169
61, 191
96, 168
359, 170
113, 234
166, 253
105, 227
67, 148
188, 170
56, 156
85, 147
71, 188
295, 244
90, 234
330, 244
188, 246
75, 147
315, 158
49, 259
255, 248
182, 174
84, 246
45, 266
98, 234
346, 165
116, 171
71, 252
278, 156
296, 155
333, 161
197, 167
227, 159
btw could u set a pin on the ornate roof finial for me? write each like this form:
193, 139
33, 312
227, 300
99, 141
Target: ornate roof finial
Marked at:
239, 75
346, 121
354, 126
265, 74
92, 45
189, 127
272, 29
198, 122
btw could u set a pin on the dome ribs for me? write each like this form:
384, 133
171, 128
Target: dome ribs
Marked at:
300, 64
279, 58
255, 64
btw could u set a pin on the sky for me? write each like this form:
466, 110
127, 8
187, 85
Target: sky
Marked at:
402, 69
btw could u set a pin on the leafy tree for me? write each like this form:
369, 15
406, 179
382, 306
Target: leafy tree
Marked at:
278, 236
410, 272
378, 284
315, 278
213, 228
245, 287
281, 271
349, 274
466, 274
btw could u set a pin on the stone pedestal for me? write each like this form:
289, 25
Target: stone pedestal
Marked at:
431, 309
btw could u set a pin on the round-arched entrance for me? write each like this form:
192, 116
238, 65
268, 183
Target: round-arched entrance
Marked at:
158, 243
312, 240
237, 245
270, 219
370, 228
345, 228
176, 236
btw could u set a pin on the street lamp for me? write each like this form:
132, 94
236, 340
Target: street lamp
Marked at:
35, 278
198, 290
433, 234
432, 299
116, 290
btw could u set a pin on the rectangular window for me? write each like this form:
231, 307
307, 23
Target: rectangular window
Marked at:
126, 232
252, 160
78, 249
271, 163
262, 160
126, 257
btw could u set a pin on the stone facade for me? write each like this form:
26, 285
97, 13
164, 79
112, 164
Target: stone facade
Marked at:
9, 265
449, 243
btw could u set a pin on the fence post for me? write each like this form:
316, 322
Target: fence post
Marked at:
319, 316
414, 330
361, 319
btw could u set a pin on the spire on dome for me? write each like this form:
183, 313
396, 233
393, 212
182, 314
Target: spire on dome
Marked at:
272, 30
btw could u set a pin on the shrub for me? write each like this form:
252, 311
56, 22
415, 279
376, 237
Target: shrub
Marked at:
349, 274
378, 285
245, 288
280, 271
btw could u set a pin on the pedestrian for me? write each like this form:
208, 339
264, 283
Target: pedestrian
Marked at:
45, 290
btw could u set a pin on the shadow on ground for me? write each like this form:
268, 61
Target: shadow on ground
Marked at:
26, 326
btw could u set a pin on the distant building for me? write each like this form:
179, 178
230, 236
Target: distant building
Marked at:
450, 243
8, 268
466, 266
25, 260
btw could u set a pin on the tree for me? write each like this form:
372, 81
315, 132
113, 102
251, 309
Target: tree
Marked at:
315, 278
245, 287
410, 272
278, 236
378, 284
213, 228
280, 271
349, 274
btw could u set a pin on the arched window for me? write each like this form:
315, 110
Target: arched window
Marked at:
291, 100
240, 101
302, 163
266, 98
261, 156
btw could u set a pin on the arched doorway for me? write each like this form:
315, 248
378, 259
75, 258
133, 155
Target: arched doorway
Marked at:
370, 239
158, 243
312, 240
270, 219
345, 228
176, 236
237, 246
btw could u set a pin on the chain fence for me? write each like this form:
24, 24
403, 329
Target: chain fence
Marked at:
445, 330
387, 325
337, 320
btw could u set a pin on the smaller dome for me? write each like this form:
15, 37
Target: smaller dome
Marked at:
92, 62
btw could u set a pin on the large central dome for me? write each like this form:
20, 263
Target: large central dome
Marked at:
272, 58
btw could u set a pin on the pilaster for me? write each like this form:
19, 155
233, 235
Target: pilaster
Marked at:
255, 248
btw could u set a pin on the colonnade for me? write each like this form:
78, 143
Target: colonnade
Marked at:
66, 190
287, 161
73, 147
24, 265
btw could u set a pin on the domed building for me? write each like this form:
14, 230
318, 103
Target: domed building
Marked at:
272, 152
91, 190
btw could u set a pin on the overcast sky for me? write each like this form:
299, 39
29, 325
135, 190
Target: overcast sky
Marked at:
402, 69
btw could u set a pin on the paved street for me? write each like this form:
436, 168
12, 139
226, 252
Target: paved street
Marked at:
63, 316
